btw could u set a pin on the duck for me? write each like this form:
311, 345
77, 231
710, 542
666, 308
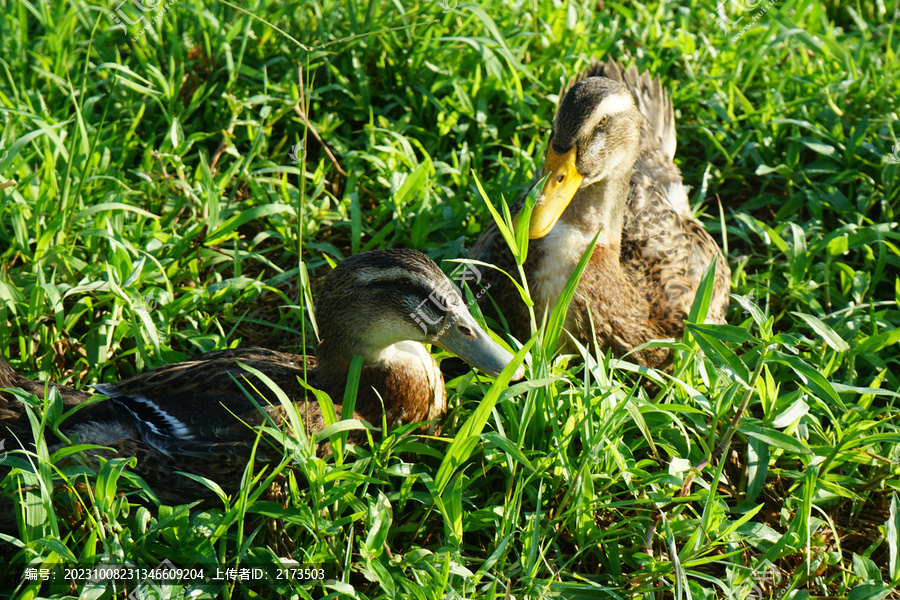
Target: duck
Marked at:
610, 173
200, 416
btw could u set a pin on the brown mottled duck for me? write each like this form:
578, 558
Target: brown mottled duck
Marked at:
198, 415
611, 170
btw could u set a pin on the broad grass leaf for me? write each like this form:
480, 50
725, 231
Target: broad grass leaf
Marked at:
840, 387
869, 591
725, 333
303, 281
892, 534
720, 354
865, 569
703, 296
381, 515
112, 207
290, 405
811, 377
468, 435
774, 438
231, 225
413, 184
17, 146
40, 518
757, 467
525, 297
453, 511
523, 219
56, 545
879, 341
796, 410
374, 570
753, 310
521, 388
798, 256
503, 227
515, 66
349, 405
209, 483
828, 334
507, 445
108, 478
741, 521
340, 427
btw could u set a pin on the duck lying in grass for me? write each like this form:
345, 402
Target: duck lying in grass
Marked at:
198, 415
611, 170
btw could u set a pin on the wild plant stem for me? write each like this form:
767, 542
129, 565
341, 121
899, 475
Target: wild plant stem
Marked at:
720, 449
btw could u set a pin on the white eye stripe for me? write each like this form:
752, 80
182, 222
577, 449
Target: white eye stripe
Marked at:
369, 276
614, 104
610, 106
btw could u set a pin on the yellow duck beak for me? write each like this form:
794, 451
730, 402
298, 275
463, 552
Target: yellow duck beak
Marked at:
560, 187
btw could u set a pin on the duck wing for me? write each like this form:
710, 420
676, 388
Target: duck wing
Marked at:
13, 414
672, 251
209, 404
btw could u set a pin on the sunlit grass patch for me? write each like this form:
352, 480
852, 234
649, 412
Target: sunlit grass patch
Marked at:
158, 212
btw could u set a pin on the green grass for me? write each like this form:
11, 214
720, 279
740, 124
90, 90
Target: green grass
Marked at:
157, 214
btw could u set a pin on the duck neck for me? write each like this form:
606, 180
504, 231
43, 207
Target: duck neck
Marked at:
402, 379
599, 207
335, 352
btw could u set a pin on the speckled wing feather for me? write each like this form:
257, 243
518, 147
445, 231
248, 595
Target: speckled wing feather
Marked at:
208, 405
14, 423
199, 416
674, 251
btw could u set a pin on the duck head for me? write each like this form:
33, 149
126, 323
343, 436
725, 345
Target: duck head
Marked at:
595, 138
377, 301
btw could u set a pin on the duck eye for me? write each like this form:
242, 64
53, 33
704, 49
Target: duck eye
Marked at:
404, 283
603, 121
